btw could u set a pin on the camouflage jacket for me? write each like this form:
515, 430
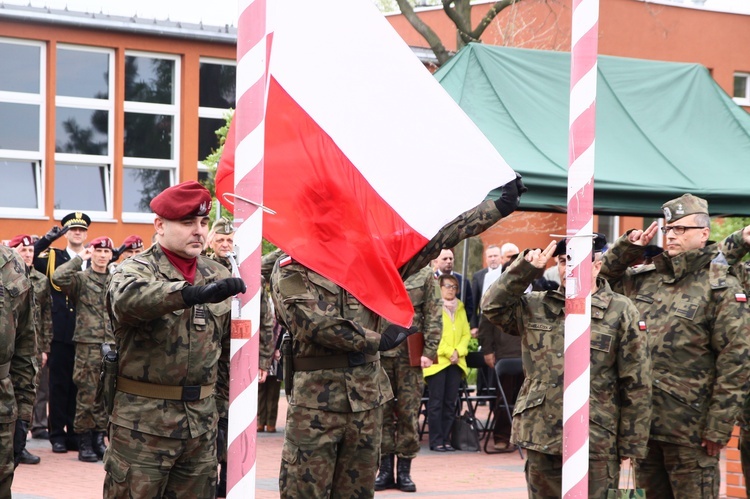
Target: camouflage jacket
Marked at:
699, 337
734, 249
424, 294
266, 344
324, 320
17, 338
87, 290
163, 341
42, 309
620, 397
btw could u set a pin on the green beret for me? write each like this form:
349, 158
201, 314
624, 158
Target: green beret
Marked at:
685, 205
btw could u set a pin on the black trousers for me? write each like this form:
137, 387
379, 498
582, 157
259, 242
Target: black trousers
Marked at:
441, 408
62, 393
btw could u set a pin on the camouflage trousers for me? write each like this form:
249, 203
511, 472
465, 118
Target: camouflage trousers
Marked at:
544, 476
90, 415
6, 457
148, 466
677, 471
330, 454
744, 447
401, 414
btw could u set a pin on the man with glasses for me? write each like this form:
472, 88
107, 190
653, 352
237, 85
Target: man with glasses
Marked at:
699, 335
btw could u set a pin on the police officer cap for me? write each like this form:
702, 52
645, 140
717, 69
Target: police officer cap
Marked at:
76, 219
102, 242
20, 240
685, 205
133, 242
599, 240
223, 226
185, 200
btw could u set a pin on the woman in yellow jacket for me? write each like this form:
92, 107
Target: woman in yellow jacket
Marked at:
444, 377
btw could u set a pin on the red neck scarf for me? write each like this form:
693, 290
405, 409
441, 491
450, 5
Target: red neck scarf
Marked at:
186, 266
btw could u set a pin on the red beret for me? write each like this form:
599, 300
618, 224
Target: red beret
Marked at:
188, 199
20, 240
102, 242
133, 242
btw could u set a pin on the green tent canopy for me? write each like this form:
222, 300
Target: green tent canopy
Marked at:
663, 128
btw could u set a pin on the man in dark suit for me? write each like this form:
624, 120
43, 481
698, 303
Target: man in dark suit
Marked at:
62, 397
445, 266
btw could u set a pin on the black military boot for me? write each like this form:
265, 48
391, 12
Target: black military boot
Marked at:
404, 483
85, 448
385, 479
99, 446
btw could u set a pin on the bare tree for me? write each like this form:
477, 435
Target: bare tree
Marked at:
459, 12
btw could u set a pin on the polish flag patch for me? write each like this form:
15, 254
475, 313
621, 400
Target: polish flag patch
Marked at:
740, 297
285, 261
642, 325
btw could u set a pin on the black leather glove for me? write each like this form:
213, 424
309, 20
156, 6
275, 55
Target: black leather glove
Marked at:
511, 196
116, 253
213, 293
221, 440
393, 336
19, 440
55, 233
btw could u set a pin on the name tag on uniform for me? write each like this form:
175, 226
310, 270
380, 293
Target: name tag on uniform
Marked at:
540, 326
199, 316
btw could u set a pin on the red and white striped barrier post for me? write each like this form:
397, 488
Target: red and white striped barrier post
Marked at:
583, 74
248, 125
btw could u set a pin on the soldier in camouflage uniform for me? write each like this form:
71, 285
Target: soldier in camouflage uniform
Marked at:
87, 291
734, 248
699, 335
171, 313
620, 398
24, 246
334, 419
400, 417
17, 364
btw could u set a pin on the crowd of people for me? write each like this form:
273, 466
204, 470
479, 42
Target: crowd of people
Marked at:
670, 338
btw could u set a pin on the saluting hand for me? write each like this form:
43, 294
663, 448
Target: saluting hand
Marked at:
643, 237
539, 258
87, 253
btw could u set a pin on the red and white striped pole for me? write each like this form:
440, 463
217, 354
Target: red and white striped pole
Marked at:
583, 74
248, 125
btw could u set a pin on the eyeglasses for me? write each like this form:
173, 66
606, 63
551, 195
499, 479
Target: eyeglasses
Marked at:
450, 286
679, 229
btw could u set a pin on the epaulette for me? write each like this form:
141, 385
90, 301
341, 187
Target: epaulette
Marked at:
142, 262
717, 274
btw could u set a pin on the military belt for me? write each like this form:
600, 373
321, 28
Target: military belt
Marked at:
352, 359
164, 392
5, 370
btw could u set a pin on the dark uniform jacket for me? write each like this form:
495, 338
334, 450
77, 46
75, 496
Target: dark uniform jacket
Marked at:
63, 311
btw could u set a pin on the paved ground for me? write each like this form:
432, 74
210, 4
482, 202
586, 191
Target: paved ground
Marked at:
437, 475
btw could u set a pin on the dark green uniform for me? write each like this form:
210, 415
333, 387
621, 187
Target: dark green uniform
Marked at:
620, 396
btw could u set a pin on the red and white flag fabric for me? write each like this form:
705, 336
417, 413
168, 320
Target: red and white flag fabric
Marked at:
366, 156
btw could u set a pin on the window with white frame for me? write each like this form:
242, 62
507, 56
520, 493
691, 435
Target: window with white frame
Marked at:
741, 92
22, 97
151, 141
216, 98
84, 123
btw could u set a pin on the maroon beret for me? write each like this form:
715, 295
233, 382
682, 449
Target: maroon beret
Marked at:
188, 199
20, 240
133, 242
102, 242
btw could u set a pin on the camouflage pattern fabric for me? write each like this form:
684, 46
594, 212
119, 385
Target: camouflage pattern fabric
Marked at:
42, 310
90, 414
544, 476
699, 335
620, 400
6, 458
180, 468
324, 319
162, 341
674, 471
323, 457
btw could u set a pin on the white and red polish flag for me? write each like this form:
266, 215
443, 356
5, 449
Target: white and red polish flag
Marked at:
366, 156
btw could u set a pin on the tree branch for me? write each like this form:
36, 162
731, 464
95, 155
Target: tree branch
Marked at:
427, 33
476, 33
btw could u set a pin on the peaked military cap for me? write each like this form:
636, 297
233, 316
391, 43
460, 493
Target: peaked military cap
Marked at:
685, 205
223, 226
185, 200
599, 241
20, 240
76, 219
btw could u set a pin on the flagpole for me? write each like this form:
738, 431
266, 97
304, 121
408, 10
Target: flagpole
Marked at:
248, 124
583, 74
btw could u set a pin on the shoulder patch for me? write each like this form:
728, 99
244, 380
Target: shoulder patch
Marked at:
285, 261
740, 297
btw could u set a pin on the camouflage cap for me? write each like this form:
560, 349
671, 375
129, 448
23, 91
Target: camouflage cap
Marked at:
685, 205
223, 226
